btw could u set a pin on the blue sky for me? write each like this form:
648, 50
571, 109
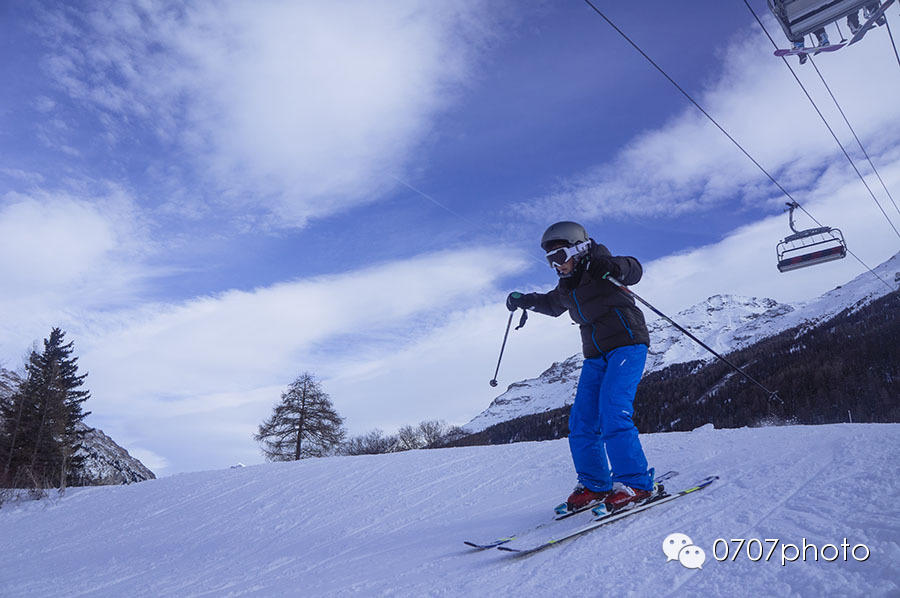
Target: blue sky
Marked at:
213, 197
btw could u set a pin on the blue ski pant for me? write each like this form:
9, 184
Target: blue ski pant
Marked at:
602, 436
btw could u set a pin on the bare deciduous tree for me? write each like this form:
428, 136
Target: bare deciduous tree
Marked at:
432, 432
409, 439
372, 443
303, 424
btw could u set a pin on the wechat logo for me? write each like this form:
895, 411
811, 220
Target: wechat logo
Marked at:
679, 547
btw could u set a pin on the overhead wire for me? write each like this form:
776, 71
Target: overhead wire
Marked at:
828, 126
697, 105
718, 126
887, 24
855, 136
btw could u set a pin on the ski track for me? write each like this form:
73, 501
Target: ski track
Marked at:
393, 525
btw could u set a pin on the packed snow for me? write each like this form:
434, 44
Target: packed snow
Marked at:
395, 524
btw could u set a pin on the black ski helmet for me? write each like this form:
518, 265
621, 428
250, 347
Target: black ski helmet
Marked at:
570, 232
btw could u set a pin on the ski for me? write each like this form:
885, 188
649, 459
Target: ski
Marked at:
559, 517
493, 544
607, 519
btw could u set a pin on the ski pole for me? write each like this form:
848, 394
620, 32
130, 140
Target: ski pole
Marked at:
631, 293
503, 346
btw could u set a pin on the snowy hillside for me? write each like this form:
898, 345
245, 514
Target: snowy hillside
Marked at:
394, 524
554, 388
724, 322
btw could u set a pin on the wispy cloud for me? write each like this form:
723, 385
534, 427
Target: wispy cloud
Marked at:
241, 338
687, 165
297, 110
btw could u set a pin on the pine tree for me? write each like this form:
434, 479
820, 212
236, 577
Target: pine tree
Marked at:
42, 433
9, 384
303, 424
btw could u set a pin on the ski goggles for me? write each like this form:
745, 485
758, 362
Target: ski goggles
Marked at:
558, 257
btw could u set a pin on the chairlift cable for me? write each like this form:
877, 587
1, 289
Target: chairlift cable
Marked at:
825, 121
766, 31
887, 24
693, 101
843, 149
865, 153
830, 130
718, 126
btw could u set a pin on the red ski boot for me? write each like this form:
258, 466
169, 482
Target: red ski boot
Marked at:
582, 497
623, 496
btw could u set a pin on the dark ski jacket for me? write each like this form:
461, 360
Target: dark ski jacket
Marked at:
608, 318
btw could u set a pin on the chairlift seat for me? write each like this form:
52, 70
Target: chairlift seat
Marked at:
802, 17
810, 247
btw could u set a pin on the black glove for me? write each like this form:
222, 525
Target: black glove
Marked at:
515, 300
604, 265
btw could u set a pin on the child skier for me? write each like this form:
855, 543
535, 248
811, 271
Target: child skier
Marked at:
603, 439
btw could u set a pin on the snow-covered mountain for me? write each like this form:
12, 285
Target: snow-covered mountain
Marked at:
724, 322
293, 529
108, 463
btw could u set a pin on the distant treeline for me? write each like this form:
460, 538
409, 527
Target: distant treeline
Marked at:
847, 369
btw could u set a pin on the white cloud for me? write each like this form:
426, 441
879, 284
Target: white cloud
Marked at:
301, 109
51, 243
61, 253
150, 459
217, 364
687, 165
240, 339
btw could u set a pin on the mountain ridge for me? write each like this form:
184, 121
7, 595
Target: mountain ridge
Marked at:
106, 462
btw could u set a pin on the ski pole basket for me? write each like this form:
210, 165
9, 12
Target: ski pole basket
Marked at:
809, 247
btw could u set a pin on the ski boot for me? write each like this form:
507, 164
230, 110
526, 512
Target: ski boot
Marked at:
624, 497
580, 498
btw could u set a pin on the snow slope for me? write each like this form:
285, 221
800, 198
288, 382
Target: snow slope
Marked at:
393, 525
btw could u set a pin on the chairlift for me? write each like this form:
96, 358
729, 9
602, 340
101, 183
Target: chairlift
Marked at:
799, 18
809, 247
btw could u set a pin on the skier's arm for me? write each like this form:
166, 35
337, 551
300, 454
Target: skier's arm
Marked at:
625, 269
546, 303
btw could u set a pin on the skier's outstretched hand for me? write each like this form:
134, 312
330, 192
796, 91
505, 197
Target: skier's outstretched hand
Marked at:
515, 300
